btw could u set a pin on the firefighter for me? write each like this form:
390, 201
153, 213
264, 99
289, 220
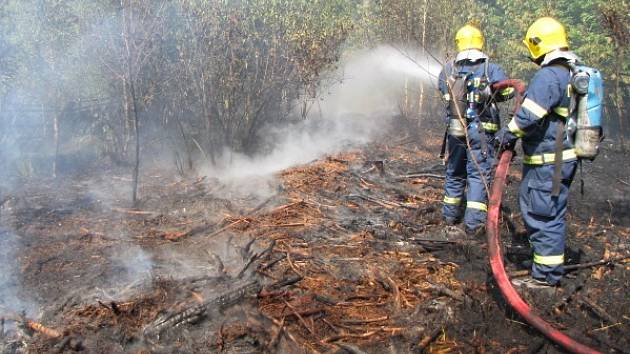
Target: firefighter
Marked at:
473, 119
549, 161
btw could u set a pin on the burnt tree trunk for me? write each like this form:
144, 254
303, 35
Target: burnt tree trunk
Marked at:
614, 20
134, 104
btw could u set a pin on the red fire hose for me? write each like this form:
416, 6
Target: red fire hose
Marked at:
494, 246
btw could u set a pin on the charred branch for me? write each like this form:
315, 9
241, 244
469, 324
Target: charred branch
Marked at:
195, 313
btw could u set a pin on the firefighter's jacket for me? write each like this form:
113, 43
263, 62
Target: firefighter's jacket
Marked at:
546, 104
473, 61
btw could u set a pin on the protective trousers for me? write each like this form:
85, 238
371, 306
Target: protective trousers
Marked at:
544, 216
455, 178
472, 168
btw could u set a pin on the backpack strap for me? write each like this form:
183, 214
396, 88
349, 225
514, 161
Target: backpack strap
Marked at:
557, 168
486, 64
560, 136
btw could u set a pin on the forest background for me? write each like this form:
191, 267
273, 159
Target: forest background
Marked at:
116, 79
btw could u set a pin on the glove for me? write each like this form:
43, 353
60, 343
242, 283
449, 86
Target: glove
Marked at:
505, 140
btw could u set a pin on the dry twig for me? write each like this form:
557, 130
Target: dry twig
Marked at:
299, 317
349, 335
596, 309
134, 212
426, 340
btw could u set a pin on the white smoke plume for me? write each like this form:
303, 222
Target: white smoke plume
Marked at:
12, 298
351, 112
131, 271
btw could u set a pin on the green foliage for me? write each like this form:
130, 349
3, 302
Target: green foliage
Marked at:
223, 69
508, 21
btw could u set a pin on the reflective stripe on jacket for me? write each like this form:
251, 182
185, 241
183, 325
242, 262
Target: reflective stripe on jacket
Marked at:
546, 104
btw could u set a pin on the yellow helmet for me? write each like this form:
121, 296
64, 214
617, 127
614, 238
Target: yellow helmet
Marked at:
469, 37
544, 36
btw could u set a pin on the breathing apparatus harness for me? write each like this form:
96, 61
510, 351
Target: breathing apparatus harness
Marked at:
469, 96
584, 121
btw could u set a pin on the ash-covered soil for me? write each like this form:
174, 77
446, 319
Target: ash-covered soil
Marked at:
344, 254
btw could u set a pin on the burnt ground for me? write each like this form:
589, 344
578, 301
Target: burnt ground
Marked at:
348, 254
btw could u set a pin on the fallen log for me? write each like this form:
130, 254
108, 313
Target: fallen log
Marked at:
32, 325
40, 328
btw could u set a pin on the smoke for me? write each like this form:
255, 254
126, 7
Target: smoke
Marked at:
12, 299
52, 82
373, 83
356, 108
109, 193
411, 62
132, 267
130, 272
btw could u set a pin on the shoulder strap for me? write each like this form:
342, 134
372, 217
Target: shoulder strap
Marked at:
486, 64
557, 168
453, 66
